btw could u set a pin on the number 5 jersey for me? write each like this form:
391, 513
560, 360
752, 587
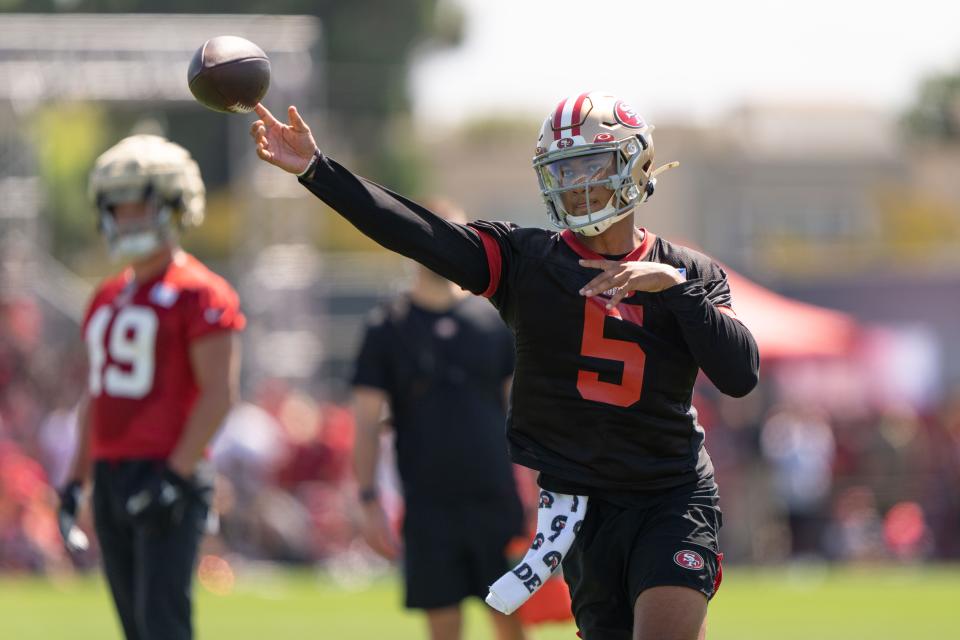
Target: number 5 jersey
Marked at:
602, 397
138, 337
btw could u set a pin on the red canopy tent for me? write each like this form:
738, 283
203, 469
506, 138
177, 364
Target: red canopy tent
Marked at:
786, 328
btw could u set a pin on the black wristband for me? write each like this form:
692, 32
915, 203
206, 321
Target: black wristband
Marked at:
368, 495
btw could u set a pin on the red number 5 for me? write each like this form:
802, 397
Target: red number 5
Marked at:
597, 346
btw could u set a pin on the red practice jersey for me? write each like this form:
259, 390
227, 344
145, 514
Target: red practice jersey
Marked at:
138, 337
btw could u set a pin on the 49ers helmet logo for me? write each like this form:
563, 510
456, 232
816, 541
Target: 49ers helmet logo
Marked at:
564, 143
688, 559
627, 115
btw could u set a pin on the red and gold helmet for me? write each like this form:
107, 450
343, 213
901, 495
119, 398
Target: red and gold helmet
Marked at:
594, 161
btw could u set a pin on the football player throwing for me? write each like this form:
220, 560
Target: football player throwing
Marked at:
612, 324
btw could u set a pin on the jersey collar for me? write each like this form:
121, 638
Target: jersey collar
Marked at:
585, 252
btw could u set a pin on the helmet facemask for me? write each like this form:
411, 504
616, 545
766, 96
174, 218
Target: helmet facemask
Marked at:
588, 188
142, 235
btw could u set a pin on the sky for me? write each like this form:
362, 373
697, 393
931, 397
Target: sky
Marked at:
684, 59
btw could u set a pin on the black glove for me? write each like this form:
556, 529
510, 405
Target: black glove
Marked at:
71, 496
162, 500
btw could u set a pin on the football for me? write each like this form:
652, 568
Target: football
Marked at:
229, 74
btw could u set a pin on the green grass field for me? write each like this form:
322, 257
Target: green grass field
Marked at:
809, 604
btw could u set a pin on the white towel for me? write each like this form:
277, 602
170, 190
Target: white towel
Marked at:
559, 519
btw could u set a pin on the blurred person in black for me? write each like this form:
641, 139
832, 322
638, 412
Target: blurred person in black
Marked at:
612, 325
441, 360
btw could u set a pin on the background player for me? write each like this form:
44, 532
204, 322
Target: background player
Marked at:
606, 362
164, 368
441, 360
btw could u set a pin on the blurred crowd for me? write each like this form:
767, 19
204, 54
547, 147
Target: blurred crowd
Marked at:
802, 483
797, 482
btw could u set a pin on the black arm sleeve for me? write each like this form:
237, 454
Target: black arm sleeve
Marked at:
451, 250
722, 346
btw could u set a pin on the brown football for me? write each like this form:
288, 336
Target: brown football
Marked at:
229, 74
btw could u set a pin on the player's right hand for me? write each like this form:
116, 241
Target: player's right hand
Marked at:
377, 531
74, 539
288, 146
161, 502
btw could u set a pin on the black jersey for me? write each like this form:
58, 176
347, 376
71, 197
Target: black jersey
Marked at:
601, 399
444, 373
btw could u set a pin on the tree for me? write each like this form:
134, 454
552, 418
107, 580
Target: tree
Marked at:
935, 115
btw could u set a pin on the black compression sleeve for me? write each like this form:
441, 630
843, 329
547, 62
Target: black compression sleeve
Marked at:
722, 346
451, 250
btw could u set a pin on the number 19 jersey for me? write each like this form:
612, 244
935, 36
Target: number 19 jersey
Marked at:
601, 397
138, 336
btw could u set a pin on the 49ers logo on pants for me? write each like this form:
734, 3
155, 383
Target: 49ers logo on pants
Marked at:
688, 559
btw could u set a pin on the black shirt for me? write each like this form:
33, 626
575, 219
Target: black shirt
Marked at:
601, 400
444, 373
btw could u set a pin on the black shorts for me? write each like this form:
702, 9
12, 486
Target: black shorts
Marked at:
454, 552
626, 547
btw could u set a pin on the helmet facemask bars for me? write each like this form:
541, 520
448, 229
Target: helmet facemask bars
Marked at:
142, 235
585, 187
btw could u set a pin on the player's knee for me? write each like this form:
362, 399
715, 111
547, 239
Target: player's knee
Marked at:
669, 613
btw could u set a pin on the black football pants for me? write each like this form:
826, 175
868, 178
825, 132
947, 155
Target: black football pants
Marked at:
149, 567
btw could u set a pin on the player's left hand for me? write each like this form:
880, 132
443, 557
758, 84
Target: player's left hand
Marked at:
161, 501
71, 496
624, 278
